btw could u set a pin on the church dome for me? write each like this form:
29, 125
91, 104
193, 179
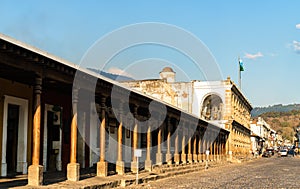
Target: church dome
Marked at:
167, 69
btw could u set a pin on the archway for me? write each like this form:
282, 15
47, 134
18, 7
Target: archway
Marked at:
212, 108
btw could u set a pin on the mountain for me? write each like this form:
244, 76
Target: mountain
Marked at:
275, 108
111, 76
284, 122
282, 118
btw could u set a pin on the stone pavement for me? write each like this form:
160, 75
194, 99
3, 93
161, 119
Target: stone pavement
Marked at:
274, 172
164, 171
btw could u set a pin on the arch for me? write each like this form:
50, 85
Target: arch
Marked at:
212, 107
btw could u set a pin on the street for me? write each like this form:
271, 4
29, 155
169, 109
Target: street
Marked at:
271, 172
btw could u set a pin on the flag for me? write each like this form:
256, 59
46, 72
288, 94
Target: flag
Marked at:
241, 65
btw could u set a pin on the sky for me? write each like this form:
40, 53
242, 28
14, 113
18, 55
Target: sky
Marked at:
264, 34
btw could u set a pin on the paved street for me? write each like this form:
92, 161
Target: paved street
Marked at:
271, 172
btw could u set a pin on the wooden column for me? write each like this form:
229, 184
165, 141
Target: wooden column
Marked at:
169, 155
159, 157
102, 165
204, 148
134, 142
73, 167
120, 138
190, 155
176, 153
210, 147
37, 122
35, 171
200, 149
120, 165
148, 162
183, 154
195, 158
215, 149
73, 145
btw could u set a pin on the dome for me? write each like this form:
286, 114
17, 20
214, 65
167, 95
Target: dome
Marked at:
167, 69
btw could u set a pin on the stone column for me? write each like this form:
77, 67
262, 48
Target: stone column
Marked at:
35, 171
120, 165
195, 157
148, 162
102, 165
168, 154
159, 157
176, 154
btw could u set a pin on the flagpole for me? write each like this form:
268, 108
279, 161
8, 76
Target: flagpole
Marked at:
240, 75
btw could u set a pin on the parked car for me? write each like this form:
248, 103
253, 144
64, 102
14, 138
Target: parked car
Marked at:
283, 152
291, 152
267, 154
271, 150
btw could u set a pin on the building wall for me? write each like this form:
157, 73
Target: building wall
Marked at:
10, 88
233, 110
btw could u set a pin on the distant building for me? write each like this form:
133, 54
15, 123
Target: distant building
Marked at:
218, 102
263, 136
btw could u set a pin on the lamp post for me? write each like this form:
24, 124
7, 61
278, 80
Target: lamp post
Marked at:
206, 163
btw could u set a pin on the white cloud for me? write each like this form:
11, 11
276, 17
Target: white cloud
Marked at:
118, 71
296, 46
298, 26
253, 56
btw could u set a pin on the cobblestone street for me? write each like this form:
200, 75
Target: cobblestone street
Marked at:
271, 172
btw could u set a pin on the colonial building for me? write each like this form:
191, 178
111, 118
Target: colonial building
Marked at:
55, 116
263, 136
219, 102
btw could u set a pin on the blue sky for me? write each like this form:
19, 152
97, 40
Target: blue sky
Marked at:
265, 34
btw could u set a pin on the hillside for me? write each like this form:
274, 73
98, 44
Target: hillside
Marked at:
284, 122
275, 108
111, 76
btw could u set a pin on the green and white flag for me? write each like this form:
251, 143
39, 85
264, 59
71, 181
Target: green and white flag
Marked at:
241, 65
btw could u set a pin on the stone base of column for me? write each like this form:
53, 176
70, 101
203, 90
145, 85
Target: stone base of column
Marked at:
177, 159
159, 158
120, 167
169, 159
183, 158
73, 173
190, 158
199, 157
102, 169
35, 175
229, 157
148, 165
195, 158
203, 157
134, 167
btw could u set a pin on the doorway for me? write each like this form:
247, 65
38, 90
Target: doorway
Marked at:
52, 138
12, 139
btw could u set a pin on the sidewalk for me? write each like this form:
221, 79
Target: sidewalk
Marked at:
115, 180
